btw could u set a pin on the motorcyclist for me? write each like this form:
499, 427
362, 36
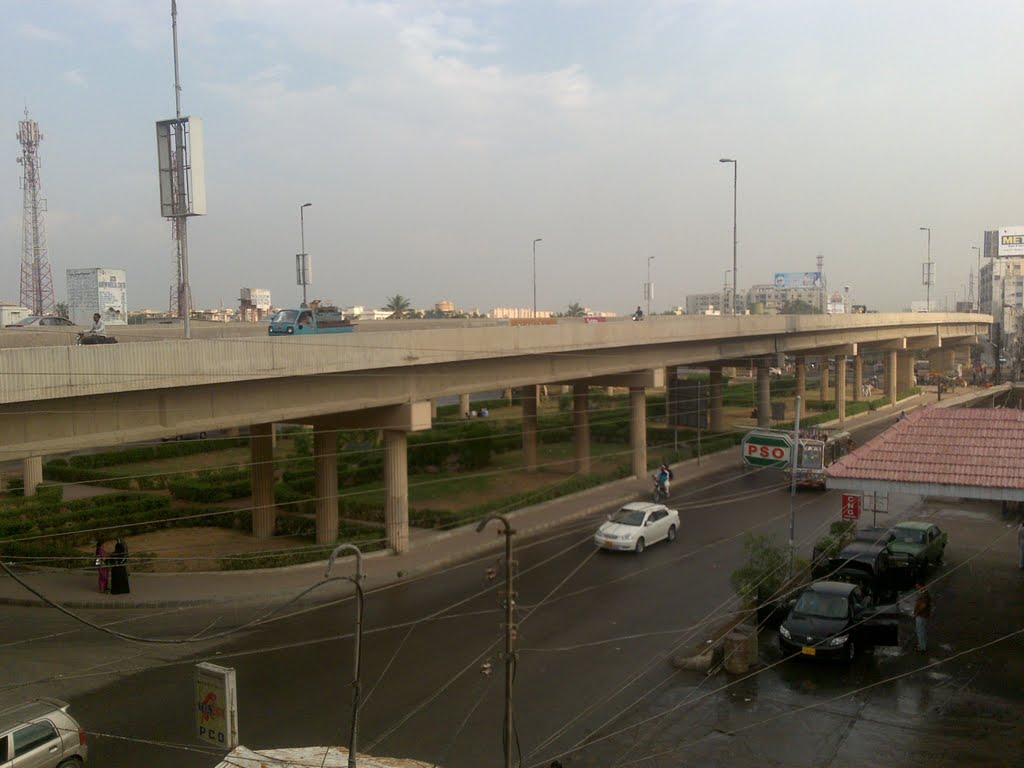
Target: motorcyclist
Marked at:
665, 479
639, 314
98, 328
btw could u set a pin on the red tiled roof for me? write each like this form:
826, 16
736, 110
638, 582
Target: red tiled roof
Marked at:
981, 447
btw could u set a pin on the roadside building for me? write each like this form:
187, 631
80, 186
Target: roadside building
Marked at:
12, 313
517, 313
254, 304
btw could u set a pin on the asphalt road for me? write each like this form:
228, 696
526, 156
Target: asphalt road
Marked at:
593, 682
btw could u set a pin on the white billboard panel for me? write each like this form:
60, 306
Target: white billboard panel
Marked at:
97, 289
1011, 241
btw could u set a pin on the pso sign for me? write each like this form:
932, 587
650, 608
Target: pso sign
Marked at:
767, 449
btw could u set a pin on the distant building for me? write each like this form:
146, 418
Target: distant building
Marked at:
97, 289
359, 312
254, 304
775, 299
701, 303
12, 313
445, 306
516, 313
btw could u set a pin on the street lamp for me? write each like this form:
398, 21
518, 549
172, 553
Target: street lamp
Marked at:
978, 276
303, 257
927, 272
539, 239
735, 173
650, 288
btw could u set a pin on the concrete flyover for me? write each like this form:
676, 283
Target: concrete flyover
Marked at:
55, 399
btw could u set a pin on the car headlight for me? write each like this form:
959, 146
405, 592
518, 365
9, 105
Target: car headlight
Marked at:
785, 632
609, 536
838, 640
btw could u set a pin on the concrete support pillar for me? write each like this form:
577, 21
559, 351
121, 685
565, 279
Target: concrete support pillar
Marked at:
261, 448
717, 420
841, 389
890, 376
464, 406
506, 395
764, 395
325, 483
858, 378
638, 429
801, 379
433, 409
396, 490
904, 371
32, 474
673, 408
581, 421
530, 428
824, 378
273, 437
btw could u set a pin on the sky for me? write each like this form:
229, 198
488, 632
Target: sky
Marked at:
437, 139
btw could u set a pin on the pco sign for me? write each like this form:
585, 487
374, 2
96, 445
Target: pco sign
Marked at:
216, 706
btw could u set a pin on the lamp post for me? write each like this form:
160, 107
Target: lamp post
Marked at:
357, 660
537, 240
978, 278
927, 274
735, 174
303, 257
650, 287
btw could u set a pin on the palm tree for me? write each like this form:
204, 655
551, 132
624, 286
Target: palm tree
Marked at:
575, 310
398, 305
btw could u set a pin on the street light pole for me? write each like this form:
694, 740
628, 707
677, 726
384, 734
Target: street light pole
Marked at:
305, 257
978, 277
357, 660
725, 288
539, 239
928, 271
735, 176
650, 287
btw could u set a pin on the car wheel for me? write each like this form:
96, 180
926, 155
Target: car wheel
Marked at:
851, 651
202, 435
71, 762
639, 546
671, 533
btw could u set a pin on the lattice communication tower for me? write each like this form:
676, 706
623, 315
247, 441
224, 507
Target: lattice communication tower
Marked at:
36, 280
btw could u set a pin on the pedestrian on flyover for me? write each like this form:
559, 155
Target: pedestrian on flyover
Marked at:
102, 566
922, 612
119, 571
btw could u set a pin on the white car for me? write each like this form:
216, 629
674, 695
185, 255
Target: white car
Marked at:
637, 525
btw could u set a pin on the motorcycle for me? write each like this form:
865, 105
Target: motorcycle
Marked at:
85, 337
660, 493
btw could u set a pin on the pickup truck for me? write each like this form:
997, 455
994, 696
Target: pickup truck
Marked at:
307, 320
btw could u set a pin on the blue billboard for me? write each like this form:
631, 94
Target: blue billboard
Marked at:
798, 280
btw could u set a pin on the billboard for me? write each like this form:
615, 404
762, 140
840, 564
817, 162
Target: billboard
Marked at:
798, 280
1011, 241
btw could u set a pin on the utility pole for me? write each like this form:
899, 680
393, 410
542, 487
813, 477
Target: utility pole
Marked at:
510, 629
926, 272
357, 661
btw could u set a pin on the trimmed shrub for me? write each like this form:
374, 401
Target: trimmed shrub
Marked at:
212, 487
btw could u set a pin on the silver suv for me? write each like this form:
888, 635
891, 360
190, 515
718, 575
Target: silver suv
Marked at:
41, 734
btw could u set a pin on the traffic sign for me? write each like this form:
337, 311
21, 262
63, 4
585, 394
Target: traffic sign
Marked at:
851, 506
767, 449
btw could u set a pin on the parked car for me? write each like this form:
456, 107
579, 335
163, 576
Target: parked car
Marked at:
635, 526
880, 573
924, 543
833, 619
40, 321
189, 436
41, 734
874, 535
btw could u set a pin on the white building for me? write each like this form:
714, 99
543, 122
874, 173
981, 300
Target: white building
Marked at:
517, 313
97, 289
12, 313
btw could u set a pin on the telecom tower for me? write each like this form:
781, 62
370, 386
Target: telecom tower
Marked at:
36, 280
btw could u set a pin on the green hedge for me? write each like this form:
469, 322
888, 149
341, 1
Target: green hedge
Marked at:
167, 450
212, 487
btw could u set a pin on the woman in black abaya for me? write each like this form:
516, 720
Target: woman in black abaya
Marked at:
119, 569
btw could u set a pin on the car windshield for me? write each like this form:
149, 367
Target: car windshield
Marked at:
908, 536
811, 452
628, 517
27, 321
285, 316
822, 606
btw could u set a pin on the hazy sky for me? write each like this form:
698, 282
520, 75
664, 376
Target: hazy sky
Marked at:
437, 139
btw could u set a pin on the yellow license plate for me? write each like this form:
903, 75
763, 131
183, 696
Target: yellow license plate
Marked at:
809, 651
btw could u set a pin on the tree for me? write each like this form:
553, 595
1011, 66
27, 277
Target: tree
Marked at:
398, 306
799, 307
62, 309
575, 310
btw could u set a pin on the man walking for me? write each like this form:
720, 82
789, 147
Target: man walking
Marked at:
1020, 545
922, 612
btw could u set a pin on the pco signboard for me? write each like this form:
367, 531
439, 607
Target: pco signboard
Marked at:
767, 448
216, 706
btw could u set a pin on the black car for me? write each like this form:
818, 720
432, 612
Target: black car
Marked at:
873, 566
834, 619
